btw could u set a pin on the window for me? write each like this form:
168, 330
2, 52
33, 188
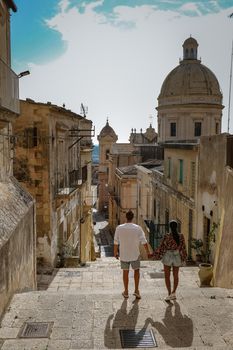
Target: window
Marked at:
178, 225
139, 196
169, 168
107, 154
193, 176
154, 208
181, 175
167, 217
173, 129
216, 128
84, 173
30, 137
197, 129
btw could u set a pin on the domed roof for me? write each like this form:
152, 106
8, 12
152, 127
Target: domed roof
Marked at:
190, 41
191, 78
107, 130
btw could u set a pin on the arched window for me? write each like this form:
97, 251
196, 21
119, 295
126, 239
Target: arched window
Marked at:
107, 154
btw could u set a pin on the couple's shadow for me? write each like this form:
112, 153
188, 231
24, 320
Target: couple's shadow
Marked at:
123, 319
176, 329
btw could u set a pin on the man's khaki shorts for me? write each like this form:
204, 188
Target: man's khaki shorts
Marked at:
125, 265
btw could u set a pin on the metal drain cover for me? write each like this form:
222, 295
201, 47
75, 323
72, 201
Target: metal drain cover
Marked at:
36, 330
137, 338
156, 275
70, 273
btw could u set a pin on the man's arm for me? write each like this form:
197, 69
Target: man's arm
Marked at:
144, 242
116, 244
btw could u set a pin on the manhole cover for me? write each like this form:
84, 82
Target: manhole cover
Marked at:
70, 273
36, 330
137, 338
156, 275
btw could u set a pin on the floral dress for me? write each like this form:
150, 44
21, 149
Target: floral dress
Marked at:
169, 244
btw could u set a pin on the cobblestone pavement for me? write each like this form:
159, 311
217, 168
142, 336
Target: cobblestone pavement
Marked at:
86, 311
84, 308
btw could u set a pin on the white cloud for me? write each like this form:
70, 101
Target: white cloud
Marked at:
190, 8
118, 70
63, 5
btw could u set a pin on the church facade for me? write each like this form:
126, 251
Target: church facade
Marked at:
189, 107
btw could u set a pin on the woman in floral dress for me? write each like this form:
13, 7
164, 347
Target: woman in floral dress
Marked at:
172, 253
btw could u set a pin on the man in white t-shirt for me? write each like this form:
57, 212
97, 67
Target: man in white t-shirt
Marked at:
127, 240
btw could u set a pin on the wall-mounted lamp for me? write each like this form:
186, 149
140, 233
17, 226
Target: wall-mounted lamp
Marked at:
23, 74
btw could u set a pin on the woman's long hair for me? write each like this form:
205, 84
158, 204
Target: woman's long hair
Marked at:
173, 226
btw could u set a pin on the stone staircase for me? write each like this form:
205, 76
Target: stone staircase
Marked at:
83, 308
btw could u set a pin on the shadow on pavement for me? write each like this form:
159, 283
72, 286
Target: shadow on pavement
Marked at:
176, 329
123, 320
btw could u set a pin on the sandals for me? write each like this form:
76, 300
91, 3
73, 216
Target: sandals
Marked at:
137, 295
125, 295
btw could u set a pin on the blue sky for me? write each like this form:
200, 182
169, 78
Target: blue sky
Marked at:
94, 46
32, 40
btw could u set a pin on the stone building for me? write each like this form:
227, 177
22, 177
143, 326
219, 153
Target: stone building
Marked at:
125, 195
215, 203
107, 138
53, 162
115, 157
17, 209
190, 100
189, 106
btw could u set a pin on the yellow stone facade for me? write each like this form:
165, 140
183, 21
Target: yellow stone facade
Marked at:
215, 203
53, 162
17, 207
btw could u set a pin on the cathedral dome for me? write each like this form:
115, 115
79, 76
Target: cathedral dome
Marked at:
190, 100
190, 79
107, 131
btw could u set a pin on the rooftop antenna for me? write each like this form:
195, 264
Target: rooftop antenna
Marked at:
83, 110
150, 119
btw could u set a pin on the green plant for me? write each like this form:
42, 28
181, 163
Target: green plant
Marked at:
197, 244
205, 250
67, 249
209, 240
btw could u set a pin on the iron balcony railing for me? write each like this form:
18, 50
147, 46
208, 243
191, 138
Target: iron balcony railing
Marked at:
9, 89
156, 232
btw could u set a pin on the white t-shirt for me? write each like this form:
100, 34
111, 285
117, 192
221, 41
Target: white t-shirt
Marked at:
129, 236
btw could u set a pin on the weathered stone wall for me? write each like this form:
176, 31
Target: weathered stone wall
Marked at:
17, 242
49, 163
223, 276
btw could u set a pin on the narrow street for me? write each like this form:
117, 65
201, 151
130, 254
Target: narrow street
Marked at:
83, 308
103, 237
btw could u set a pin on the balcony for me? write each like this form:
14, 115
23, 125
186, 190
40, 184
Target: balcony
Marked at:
9, 89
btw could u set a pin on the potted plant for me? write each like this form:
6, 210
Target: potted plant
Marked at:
206, 268
197, 244
67, 257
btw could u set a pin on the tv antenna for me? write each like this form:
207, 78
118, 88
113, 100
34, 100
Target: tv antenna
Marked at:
151, 119
83, 110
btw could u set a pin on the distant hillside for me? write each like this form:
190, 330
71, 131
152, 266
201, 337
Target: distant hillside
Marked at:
95, 154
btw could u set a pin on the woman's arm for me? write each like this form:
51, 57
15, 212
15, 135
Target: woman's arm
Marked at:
159, 252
